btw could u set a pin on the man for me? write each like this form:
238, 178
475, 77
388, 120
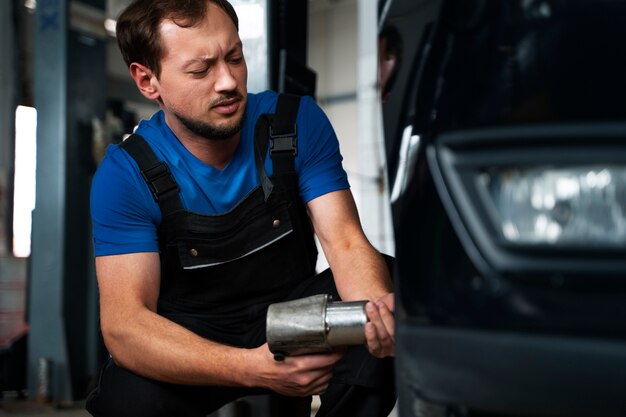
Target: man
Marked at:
197, 232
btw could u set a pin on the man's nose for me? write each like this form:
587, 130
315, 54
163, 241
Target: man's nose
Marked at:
225, 80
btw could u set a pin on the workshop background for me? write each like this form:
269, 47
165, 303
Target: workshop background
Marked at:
65, 94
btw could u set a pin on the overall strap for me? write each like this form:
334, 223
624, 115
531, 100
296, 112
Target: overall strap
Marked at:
156, 173
284, 134
279, 132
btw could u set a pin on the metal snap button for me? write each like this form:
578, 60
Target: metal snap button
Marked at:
193, 252
276, 224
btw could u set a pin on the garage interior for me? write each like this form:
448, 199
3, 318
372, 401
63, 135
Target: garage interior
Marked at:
65, 95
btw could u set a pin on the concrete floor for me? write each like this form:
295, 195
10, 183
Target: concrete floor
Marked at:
14, 407
26, 408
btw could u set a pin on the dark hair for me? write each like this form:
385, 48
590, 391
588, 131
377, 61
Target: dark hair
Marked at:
137, 27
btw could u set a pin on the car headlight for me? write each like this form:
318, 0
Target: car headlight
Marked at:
536, 199
580, 206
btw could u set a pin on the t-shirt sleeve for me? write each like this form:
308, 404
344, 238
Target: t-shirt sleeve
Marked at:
319, 160
124, 215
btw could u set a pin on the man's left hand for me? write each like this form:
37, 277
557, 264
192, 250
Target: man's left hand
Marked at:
379, 331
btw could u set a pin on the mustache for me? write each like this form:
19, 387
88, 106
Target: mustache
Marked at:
222, 98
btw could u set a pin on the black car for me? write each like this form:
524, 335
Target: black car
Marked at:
505, 132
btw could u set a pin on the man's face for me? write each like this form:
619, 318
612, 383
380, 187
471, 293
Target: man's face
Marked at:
202, 86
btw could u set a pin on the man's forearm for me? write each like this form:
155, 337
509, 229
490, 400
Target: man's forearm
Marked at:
360, 273
359, 269
157, 348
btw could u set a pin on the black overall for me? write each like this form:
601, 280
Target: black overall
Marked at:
219, 273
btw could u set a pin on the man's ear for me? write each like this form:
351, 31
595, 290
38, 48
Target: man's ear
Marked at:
145, 80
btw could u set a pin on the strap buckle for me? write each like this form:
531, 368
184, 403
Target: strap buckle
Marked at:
284, 142
160, 180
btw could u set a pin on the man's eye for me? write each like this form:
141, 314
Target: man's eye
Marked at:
236, 60
199, 71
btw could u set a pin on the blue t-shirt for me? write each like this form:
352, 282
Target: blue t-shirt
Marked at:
125, 215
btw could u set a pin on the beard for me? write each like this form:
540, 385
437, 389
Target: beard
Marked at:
213, 131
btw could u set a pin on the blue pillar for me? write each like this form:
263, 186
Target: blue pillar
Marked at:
69, 94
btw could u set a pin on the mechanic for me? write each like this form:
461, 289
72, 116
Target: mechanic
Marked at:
205, 216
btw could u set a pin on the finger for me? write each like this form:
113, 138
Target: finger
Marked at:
373, 342
386, 339
320, 361
379, 347
303, 383
317, 385
385, 332
374, 314
379, 337
388, 319
321, 385
312, 366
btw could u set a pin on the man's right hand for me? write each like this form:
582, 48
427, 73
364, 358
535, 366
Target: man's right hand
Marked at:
295, 376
